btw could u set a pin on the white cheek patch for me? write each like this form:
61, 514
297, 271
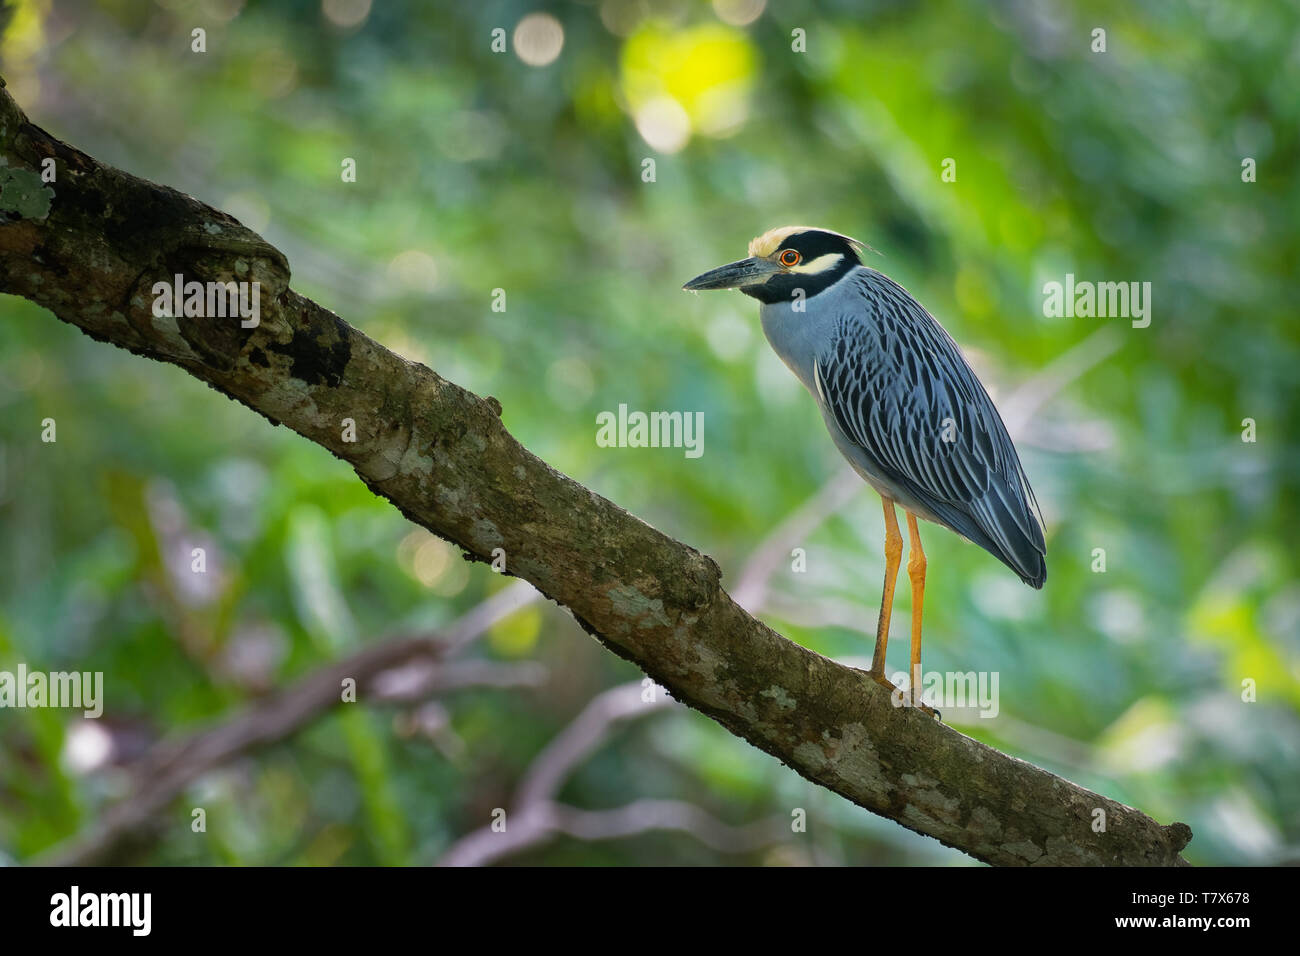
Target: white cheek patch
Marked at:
820, 264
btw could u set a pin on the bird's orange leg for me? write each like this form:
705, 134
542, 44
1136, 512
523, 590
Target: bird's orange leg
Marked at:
893, 557
916, 572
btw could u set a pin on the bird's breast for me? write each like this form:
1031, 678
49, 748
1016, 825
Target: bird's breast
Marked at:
793, 339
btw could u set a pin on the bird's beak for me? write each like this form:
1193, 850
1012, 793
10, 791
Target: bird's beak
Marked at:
734, 275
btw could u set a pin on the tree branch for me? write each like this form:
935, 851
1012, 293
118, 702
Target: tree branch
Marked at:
171, 766
89, 248
395, 671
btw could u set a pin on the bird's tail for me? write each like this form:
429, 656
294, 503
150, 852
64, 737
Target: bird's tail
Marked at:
1011, 530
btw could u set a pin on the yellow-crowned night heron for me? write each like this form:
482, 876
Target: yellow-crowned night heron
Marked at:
901, 404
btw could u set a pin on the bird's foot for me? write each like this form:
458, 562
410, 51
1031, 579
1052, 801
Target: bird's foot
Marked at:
900, 698
903, 699
927, 709
884, 682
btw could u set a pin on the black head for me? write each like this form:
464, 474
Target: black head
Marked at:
784, 260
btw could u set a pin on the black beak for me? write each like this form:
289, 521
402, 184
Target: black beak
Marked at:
735, 275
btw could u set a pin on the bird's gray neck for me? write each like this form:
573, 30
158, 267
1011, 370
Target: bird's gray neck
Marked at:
799, 337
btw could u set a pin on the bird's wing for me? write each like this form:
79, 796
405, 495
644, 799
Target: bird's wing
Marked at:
899, 388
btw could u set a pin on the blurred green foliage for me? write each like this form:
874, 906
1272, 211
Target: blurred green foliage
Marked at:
477, 171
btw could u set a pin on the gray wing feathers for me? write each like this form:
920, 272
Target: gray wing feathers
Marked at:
898, 387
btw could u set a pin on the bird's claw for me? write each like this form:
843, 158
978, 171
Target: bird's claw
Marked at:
924, 708
900, 698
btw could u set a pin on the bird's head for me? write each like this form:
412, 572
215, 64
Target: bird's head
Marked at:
785, 259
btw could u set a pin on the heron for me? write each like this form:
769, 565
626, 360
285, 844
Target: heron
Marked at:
901, 403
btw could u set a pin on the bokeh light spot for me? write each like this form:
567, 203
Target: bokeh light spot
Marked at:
663, 124
538, 39
739, 12
705, 72
345, 13
414, 271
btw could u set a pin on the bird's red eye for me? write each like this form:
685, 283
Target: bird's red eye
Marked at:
789, 258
